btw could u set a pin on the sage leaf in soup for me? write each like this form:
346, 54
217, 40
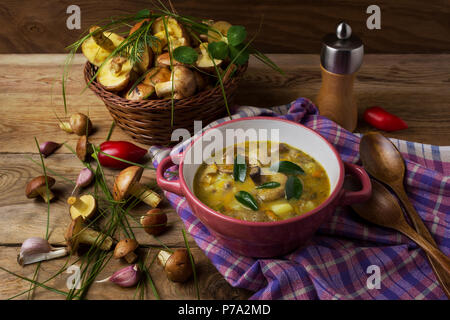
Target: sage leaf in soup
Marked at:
287, 167
294, 188
185, 54
269, 185
239, 169
247, 200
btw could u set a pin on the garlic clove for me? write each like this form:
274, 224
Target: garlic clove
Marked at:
85, 178
48, 147
37, 249
126, 277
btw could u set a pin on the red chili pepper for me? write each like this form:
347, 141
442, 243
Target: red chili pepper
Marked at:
383, 120
120, 149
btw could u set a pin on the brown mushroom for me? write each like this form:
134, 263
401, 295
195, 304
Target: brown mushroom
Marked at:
219, 31
154, 222
147, 54
157, 75
200, 81
127, 183
182, 82
37, 187
115, 74
83, 148
125, 249
177, 265
79, 123
100, 45
140, 92
204, 60
84, 206
275, 193
76, 233
163, 60
177, 33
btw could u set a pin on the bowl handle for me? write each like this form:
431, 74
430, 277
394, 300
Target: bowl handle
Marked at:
167, 185
350, 197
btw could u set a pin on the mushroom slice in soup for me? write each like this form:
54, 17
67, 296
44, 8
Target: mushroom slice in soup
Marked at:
274, 193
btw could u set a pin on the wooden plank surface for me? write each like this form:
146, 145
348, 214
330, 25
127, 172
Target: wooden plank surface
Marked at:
288, 26
414, 87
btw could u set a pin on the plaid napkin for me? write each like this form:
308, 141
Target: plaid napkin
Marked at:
334, 265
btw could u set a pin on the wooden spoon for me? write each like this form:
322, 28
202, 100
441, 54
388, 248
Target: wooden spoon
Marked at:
383, 209
383, 161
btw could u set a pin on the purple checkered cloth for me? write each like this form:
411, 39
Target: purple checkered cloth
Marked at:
335, 263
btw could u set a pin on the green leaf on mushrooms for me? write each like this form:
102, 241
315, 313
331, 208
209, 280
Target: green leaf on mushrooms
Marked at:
185, 54
218, 50
236, 35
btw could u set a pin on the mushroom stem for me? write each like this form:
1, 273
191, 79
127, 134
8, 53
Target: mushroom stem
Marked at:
78, 203
145, 194
130, 257
117, 63
43, 194
53, 254
66, 127
92, 237
164, 88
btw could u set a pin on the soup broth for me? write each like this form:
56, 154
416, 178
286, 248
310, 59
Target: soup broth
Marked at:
244, 184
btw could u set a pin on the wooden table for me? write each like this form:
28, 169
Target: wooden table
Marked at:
414, 87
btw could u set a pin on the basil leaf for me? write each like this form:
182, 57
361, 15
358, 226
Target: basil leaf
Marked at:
247, 200
294, 188
287, 167
185, 54
239, 169
269, 185
218, 50
241, 57
236, 35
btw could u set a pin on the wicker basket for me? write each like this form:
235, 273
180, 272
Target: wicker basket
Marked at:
148, 121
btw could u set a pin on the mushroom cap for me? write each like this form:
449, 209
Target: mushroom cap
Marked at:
204, 61
90, 206
124, 247
95, 53
141, 92
80, 124
184, 81
125, 180
157, 75
115, 74
82, 148
154, 221
178, 267
37, 185
72, 233
163, 60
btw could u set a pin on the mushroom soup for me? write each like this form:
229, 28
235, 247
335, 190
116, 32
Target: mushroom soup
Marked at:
244, 185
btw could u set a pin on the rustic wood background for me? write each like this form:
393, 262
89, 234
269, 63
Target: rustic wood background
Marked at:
289, 26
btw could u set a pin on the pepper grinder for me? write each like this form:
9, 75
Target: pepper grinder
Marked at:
341, 56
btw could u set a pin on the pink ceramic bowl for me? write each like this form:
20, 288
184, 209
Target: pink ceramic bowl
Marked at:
269, 239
